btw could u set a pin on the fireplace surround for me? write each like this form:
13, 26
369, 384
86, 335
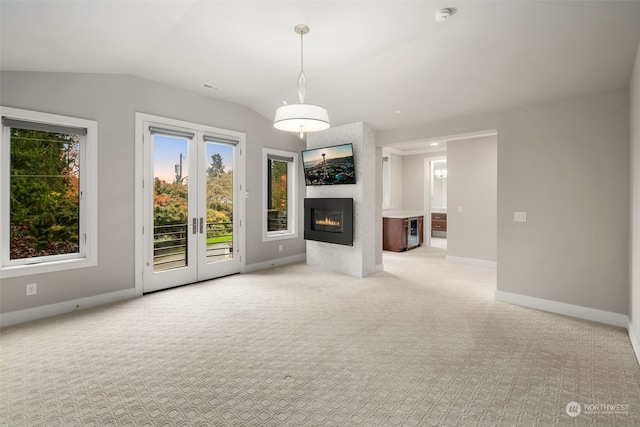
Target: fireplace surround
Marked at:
329, 220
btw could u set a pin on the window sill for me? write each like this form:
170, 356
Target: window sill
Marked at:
45, 267
279, 236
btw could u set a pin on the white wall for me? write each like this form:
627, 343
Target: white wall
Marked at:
438, 185
566, 163
112, 100
395, 179
472, 184
365, 256
634, 310
413, 182
413, 179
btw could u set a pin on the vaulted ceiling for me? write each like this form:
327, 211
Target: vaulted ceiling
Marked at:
364, 61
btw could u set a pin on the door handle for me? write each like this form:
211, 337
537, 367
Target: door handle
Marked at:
195, 226
201, 225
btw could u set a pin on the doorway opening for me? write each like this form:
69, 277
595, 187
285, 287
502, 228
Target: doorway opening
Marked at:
436, 201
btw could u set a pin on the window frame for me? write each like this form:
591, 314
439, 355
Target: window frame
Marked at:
292, 196
87, 255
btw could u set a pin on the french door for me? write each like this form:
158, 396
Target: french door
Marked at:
191, 215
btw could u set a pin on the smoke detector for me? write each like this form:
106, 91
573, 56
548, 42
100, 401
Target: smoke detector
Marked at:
443, 14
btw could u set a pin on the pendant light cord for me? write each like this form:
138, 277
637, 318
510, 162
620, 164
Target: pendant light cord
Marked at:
302, 52
302, 79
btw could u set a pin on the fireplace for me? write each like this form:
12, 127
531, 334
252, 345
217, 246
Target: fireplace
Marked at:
329, 220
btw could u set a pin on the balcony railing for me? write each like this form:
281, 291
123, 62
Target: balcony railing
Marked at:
277, 220
170, 244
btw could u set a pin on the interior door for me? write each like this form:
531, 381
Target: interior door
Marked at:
191, 223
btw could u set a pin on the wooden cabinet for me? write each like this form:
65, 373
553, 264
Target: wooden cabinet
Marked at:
394, 234
401, 234
438, 221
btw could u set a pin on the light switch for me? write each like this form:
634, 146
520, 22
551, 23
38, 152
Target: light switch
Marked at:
520, 216
460, 210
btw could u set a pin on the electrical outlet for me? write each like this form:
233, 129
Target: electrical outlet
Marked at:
279, 248
32, 288
520, 216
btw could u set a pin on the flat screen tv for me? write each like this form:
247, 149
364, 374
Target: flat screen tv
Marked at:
329, 165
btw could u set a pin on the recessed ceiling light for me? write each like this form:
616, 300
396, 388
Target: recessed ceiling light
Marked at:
398, 111
208, 86
443, 14
434, 144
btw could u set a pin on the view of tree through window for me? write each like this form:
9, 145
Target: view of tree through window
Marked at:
277, 197
170, 198
170, 205
219, 199
170, 201
44, 193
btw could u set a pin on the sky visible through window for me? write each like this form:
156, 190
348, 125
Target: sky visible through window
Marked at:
166, 155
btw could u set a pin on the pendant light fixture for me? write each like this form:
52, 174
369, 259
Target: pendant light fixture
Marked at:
301, 117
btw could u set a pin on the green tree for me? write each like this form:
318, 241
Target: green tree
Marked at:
44, 193
217, 166
278, 185
277, 195
219, 198
220, 193
169, 203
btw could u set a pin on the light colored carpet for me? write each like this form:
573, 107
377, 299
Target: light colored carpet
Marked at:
439, 242
421, 344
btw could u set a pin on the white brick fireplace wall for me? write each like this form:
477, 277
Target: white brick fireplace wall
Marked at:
365, 256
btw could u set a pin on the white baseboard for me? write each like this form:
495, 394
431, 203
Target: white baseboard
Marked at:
21, 316
274, 263
472, 261
593, 314
635, 342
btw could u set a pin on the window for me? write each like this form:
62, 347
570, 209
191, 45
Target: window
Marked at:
279, 194
49, 192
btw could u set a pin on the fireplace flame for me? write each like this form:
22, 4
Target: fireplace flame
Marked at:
328, 221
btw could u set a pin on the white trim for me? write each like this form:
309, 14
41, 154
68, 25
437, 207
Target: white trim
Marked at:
386, 180
428, 195
138, 252
274, 263
46, 267
635, 342
88, 256
438, 149
472, 261
292, 196
593, 314
21, 316
241, 193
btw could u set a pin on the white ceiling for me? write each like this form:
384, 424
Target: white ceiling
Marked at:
363, 60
